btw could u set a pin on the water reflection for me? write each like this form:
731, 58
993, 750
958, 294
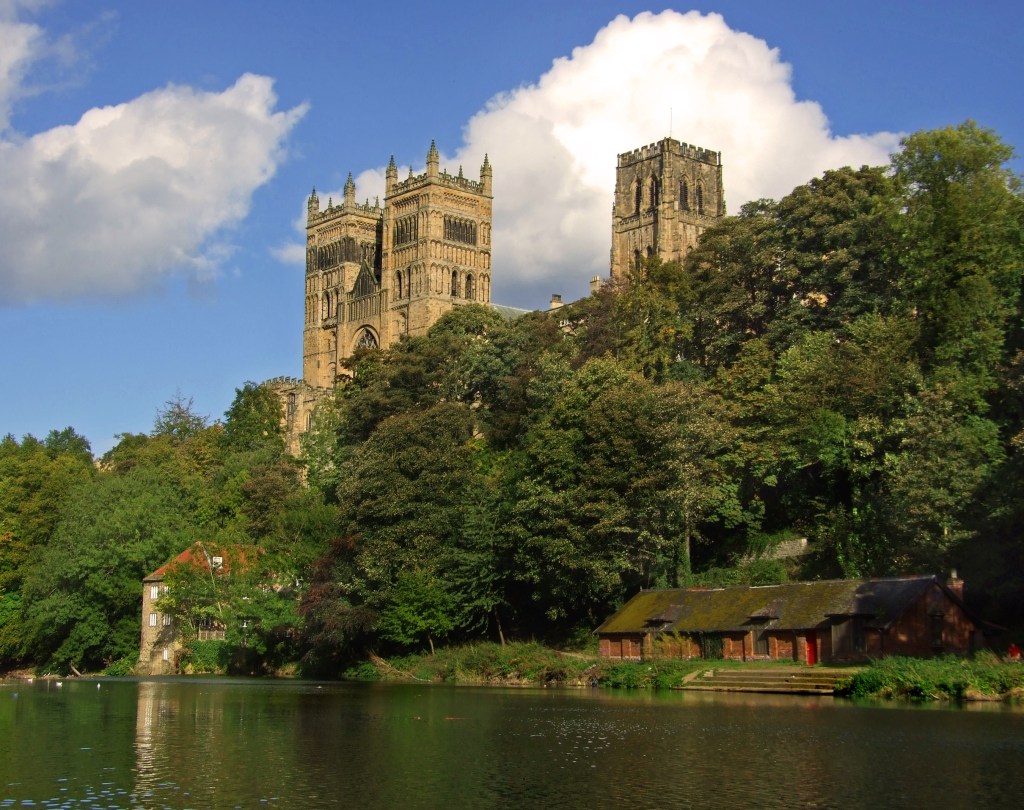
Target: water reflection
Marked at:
223, 744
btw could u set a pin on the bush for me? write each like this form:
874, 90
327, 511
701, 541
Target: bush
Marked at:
206, 657
122, 667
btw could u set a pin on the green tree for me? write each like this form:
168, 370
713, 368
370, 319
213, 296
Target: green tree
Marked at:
253, 420
81, 596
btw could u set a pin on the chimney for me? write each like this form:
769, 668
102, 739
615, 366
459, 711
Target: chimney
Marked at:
955, 584
556, 301
595, 284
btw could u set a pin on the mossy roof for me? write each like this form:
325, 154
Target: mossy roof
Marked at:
790, 606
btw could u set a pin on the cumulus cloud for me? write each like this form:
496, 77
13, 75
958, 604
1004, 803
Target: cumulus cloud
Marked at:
133, 192
554, 143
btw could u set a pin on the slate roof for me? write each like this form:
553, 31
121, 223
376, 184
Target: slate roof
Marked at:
790, 606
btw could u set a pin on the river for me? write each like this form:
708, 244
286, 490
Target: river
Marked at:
222, 743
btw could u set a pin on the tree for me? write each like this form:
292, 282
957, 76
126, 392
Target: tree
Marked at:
253, 421
81, 595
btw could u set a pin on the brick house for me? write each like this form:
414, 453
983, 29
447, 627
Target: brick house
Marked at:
161, 640
808, 622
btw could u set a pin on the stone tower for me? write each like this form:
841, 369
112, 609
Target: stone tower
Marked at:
666, 195
376, 273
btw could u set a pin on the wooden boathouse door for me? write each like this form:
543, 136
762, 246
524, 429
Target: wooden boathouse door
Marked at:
812, 649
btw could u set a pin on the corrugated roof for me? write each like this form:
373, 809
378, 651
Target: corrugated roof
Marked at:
790, 606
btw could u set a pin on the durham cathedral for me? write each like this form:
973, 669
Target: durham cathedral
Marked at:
375, 273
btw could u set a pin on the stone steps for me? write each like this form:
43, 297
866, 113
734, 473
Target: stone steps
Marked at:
806, 681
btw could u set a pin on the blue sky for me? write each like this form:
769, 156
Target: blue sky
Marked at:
155, 158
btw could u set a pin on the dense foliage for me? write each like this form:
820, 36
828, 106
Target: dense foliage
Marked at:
845, 364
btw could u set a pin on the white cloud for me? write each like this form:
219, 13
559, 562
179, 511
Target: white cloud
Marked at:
553, 144
20, 44
130, 193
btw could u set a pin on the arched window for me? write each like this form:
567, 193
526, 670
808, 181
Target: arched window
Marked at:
684, 195
636, 259
650, 251
325, 307
309, 420
700, 198
367, 340
291, 406
398, 283
455, 284
637, 197
470, 288
655, 192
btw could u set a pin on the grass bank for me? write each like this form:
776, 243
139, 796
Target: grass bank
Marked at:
984, 677
522, 664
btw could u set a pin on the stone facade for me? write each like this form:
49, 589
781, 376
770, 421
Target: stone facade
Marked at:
666, 195
375, 273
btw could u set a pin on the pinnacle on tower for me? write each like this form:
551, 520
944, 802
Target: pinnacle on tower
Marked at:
433, 158
312, 205
390, 176
486, 176
350, 190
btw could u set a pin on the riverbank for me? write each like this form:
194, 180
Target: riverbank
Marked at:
518, 664
984, 677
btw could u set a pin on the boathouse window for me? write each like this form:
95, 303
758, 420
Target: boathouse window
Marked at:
858, 634
935, 630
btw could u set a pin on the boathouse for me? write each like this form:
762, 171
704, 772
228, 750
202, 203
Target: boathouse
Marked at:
808, 622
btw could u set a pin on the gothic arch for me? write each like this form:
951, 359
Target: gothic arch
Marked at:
637, 193
700, 198
684, 195
366, 339
470, 287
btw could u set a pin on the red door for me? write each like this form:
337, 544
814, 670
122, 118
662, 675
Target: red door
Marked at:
812, 649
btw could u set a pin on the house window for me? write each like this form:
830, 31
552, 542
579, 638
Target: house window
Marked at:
167, 620
935, 630
154, 591
152, 620
761, 642
167, 653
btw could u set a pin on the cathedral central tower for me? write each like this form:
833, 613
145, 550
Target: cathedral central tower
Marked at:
666, 195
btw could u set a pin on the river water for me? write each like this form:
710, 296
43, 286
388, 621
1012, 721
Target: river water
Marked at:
219, 743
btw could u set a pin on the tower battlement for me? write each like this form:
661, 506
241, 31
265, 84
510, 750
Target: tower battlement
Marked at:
666, 146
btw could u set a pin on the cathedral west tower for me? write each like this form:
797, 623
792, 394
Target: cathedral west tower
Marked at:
375, 273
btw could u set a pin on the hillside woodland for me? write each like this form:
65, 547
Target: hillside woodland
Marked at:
845, 364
